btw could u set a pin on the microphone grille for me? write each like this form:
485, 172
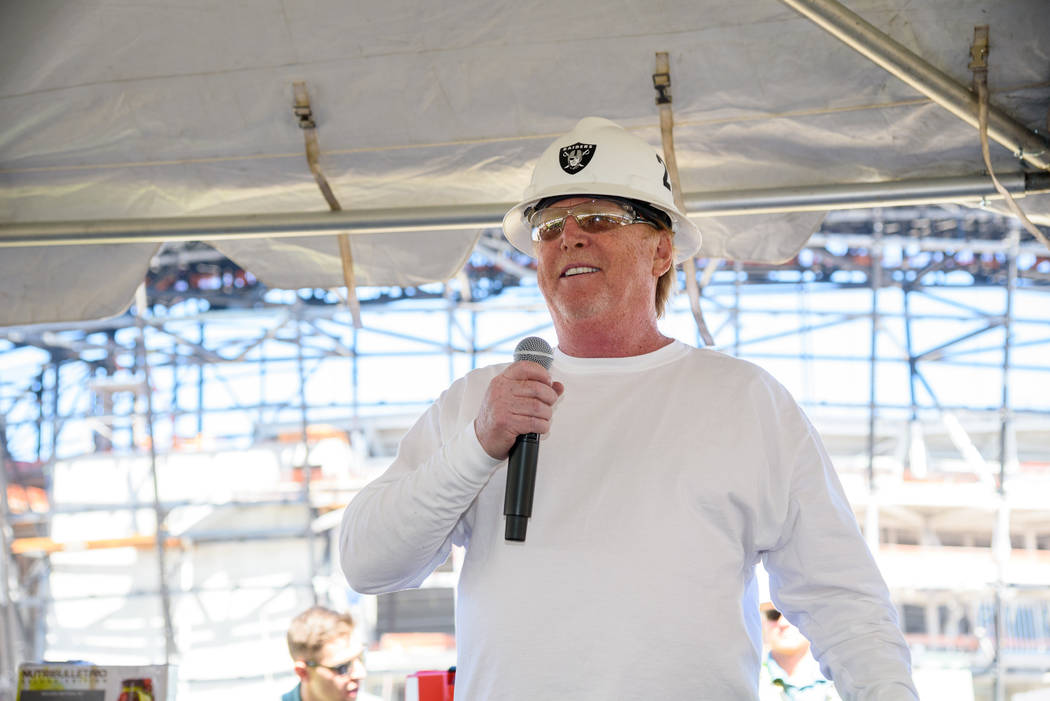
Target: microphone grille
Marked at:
535, 349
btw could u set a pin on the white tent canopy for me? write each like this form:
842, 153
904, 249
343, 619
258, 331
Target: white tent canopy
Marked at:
184, 109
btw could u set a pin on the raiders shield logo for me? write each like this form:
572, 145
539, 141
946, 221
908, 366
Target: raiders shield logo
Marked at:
575, 157
667, 180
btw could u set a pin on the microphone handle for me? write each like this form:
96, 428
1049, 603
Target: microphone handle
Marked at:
521, 483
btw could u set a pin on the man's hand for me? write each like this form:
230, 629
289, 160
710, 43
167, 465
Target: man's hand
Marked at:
519, 400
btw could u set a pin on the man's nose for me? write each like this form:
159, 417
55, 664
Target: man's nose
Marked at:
571, 232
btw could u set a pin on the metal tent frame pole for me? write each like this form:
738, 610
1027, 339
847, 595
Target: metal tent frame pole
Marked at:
864, 38
963, 189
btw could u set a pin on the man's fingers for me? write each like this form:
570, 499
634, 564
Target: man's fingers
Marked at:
532, 389
519, 400
527, 379
533, 409
527, 370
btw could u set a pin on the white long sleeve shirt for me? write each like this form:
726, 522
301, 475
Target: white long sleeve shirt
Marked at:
664, 479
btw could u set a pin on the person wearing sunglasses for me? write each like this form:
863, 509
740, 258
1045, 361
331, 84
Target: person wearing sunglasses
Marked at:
326, 658
665, 473
789, 672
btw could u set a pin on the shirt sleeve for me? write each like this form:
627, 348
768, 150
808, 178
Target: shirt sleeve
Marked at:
825, 580
401, 526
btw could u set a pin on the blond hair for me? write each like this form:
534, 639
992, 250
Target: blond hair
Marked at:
664, 289
314, 628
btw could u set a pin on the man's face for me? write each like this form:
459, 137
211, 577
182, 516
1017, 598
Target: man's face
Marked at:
592, 275
322, 683
780, 636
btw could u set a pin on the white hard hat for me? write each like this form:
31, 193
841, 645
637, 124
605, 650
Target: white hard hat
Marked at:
599, 157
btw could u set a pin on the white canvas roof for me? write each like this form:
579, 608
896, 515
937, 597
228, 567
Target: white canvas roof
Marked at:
110, 110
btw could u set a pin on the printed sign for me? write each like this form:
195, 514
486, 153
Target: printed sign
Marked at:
74, 681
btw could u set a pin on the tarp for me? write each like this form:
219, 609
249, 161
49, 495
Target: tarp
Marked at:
112, 110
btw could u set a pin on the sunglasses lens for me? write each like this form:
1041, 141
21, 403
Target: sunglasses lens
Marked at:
546, 228
600, 222
773, 616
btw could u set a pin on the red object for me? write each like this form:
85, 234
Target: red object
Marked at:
431, 685
136, 690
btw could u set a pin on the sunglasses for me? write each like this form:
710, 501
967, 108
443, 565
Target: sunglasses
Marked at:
772, 615
593, 217
339, 669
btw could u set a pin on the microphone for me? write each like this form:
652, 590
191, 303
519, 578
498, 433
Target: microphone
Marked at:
521, 463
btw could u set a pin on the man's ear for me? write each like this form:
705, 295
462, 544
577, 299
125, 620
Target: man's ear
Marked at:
663, 256
300, 670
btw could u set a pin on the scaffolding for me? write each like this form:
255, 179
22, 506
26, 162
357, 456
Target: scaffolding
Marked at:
871, 326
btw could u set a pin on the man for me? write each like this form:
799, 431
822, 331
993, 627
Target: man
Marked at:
789, 672
665, 474
329, 664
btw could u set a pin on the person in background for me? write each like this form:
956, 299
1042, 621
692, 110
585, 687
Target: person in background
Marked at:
665, 474
789, 672
328, 661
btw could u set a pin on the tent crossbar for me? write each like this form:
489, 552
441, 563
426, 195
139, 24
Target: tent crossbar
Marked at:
959, 189
891, 193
